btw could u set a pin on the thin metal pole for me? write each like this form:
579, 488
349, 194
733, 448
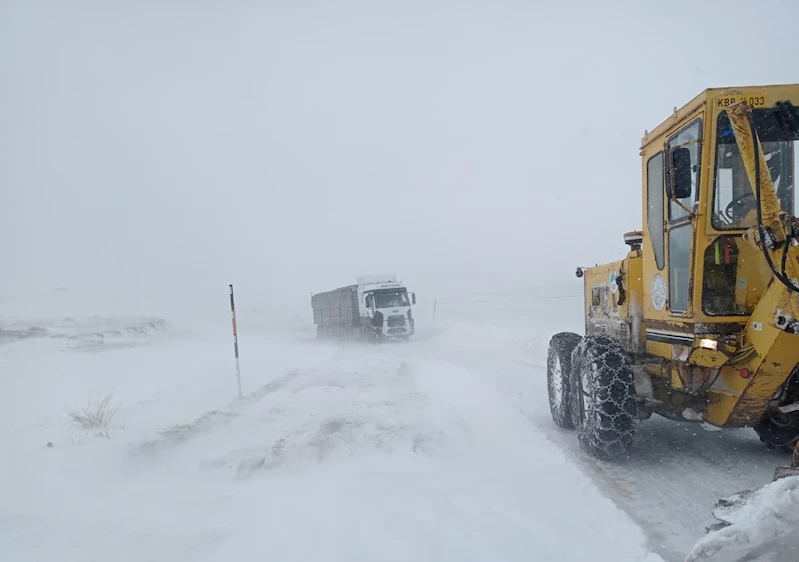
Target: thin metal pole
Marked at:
434, 314
235, 340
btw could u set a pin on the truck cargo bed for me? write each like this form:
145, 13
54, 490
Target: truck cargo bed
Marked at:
337, 307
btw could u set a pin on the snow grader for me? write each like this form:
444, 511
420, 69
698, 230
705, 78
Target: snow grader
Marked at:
700, 322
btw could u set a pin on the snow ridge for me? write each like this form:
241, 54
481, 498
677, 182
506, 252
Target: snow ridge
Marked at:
762, 526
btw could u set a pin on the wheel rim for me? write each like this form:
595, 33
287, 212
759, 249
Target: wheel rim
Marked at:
583, 410
556, 384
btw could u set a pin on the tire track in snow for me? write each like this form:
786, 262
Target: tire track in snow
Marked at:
321, 412
176, 435
356, 409
675, 471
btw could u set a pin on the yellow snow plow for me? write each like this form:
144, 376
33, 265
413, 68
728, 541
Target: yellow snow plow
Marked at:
700, 322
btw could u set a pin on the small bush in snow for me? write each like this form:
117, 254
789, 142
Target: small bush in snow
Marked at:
95, 416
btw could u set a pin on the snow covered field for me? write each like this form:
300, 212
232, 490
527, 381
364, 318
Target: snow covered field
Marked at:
437, 449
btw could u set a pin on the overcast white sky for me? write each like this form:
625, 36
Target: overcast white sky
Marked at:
289, 147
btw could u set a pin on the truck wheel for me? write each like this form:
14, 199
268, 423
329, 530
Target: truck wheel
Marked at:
559, 367
604, 408
779, 431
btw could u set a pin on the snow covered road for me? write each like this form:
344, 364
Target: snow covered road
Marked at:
441, 448
675, 472
335, 453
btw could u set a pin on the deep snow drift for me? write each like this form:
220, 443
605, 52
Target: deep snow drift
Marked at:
762, 526
335, 453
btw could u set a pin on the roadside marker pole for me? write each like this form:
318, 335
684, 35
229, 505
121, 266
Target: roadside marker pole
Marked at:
434, 314
235, 340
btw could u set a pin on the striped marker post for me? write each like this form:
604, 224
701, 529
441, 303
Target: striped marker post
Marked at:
235, 339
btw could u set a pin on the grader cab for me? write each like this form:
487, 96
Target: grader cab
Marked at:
700, 322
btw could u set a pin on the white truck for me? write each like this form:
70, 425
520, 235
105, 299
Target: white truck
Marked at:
347, 312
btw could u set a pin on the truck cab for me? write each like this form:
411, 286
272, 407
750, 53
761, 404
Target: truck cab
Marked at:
392, 299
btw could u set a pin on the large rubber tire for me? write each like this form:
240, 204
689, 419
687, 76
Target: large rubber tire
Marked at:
559, 367
779, 431
604, 407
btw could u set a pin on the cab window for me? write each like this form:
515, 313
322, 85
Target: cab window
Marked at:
654, 213
690, 138
734, 201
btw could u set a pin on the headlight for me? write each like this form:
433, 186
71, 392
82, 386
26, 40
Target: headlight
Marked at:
707, 343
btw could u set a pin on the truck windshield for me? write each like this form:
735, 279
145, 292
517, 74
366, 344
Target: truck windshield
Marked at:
387, 299
734, 202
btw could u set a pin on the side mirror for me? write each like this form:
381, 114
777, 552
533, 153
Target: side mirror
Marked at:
369, 301
413, 298
680, 173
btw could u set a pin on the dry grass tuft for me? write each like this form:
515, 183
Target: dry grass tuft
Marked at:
95, 416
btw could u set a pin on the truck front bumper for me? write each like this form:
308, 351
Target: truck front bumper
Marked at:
400, 331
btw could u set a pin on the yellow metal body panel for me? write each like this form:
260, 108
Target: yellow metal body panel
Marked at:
613, 295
